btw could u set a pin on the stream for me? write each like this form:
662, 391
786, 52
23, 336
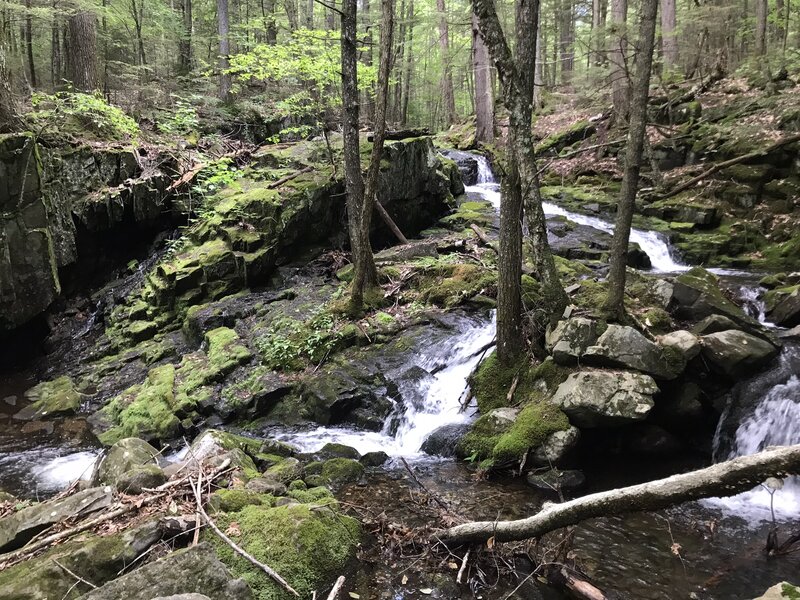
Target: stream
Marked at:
720, 540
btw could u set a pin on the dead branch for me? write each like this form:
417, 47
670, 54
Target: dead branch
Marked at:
282, 180
77, 577
723, 479
729, 163
482, 236
390, 222
592, 147
337, 587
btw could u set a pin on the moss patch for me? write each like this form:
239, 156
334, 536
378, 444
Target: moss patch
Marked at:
533, 425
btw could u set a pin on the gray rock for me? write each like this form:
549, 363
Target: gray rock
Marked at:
126, 455
781, 591
137, 479
183, 597
18, 528
605, 398
790, 334
698, 295
193, 571
570, 338
622, 346
713, 324
444, 440
735, 352
467, 165
555, 480
333, 450
557, 446
787, 312
685, 342
663, 290
263, 485
374, 459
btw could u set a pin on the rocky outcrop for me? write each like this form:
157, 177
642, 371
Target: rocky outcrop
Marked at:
736, 353
467, 165
786, 312
130, 465
570, 338
605, 398
697, 295
622, 346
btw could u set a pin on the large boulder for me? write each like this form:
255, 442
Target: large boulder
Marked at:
467, 165
444, 440
684, 342
196, 570
606, 398
697, 295
51, 399
130, 465
570, 338
787, 312
20, 527
735, 352
622, 346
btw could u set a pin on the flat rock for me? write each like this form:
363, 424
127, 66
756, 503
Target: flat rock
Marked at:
735, 352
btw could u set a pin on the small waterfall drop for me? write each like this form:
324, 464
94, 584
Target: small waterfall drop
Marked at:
485, 174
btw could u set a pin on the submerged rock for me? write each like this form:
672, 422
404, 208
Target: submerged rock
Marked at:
606, 398
556, 480
444, 440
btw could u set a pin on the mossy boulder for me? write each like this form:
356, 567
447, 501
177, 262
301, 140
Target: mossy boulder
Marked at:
234, 500
335, 473
531, 429
286, 471
130, 463
698, 295
622, 346
51, 399
307, 545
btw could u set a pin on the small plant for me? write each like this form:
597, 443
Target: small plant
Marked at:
182, 121
82, 113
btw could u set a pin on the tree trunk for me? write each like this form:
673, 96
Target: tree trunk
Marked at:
723, 479
270, 25
223, 28
399, 61
9, 117
83, 51
669, 40
448, 95
484, 100
538, 72
29, 42
56, 69
330, 19
291, 14
616, 52
366, 58
185, 42
762, 8
597, 35
310, 14
633, 159
566, 51
409, 66
137, 12
363, 262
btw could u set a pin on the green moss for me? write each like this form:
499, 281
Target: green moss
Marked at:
235, 500
335, 472
314, 495
307, 546
491, 381
450, 285
52, 398
658, 320
531, 428
384, 318
784, 256
773, 297
285, 471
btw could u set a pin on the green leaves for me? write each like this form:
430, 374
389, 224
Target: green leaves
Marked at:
82, 113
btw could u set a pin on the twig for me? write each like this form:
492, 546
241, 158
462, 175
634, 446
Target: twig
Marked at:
266, 568
336, 588
460, 577
78, 577
283, 180
514, 384
435, 497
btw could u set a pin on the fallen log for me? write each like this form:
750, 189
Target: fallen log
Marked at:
723, 479
402, 134
729, 163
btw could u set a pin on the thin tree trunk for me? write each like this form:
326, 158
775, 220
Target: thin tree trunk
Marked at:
137, 22
364, 264
448, 95
616, 51
538, 72
484, 100
56, 72
9, 115
409, 66
330, 19
762, 8
223, 28
596, 55
291, 14
669, 40
185, 43
566, 52
310, 14
83, 51
270, 24
633, 159
723, 479
29, 42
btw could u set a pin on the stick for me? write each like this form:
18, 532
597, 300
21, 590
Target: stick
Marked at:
390, 222
283, 180
513, 389
460, 577
336, 588
482, 236
729, 163
723, 479
266, 568
78, 577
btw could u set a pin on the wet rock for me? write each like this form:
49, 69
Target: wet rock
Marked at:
557, 447
333, 450
126, 455
193, 571
18, 528
713, 324
95, 558
683, 341
790, 334
444, 440
683, 407
374, 459
638, 258
50, 399
698, 295
334, 473
654, 440
622, 346
554, 480
735, 352
467, 165
570, 338
606, 398
787, 312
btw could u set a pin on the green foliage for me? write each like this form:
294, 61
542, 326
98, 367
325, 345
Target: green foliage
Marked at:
79, 113
182, 120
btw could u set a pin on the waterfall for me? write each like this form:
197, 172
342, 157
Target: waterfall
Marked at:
485, 174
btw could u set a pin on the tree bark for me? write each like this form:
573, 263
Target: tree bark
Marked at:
484, 100
137, 12
723, 479
291, 14
83, 51
363, 261
223, 29
310, 14
270, 25
409, 66
56, 69
618, 72
538, 72
566, 51
448, 95
762, 8
633, 159
597, 35
669, 40
9, 115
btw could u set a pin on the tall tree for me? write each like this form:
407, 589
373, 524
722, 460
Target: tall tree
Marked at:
137, 11
9, 116
29, 42
223, 29
56, 72
185, 40
596, 53
484, 99
566, 28
409, 66
669, 37
448, 94
521, 185
633, 159
762, 11
618, 72
83, 51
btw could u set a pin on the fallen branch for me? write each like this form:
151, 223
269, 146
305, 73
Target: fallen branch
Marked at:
282, 180
592, 147
390, 222
266, 568
729, 163
337, 587
482, 236
74, 575
723, 479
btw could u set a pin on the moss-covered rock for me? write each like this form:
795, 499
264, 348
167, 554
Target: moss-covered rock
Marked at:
335, 472
307, 545
532, 427
51, 399
234, 500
